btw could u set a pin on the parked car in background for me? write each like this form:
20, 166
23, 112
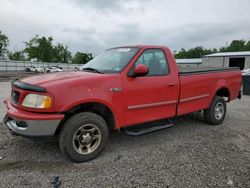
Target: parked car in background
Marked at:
34, 69
245, 72
76, 68
39, 69
30, 69
54, 69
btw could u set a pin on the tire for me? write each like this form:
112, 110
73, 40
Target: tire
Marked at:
216, 113
83, 137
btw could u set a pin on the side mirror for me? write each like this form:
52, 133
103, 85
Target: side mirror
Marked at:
141, 70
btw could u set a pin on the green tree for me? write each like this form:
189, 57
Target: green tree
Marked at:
196, 52
181, 54
17, 56
82, 58
4, 42
40, 48
236, 45
247, 46
61, 54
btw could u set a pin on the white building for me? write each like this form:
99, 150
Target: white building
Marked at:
228, 59
193, 62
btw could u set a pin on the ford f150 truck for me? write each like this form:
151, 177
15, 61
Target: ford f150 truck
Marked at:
120, 89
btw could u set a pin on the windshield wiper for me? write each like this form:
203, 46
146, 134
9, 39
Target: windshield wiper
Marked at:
93, 70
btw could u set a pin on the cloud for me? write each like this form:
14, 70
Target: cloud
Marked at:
206, 34
102, 5
96, 25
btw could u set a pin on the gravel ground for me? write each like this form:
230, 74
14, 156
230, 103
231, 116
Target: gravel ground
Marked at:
190, 154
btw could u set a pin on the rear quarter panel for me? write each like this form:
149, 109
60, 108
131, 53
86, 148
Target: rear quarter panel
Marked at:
198, 90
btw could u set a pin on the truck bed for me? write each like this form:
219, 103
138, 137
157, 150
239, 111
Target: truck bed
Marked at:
198, 85
200, 70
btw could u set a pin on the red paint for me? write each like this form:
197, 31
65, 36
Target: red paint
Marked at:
141, 99
24, 115
141, 69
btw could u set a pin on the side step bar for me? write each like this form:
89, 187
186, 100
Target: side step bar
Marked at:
145, 128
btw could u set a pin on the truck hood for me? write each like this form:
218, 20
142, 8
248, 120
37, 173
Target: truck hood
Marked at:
60, 77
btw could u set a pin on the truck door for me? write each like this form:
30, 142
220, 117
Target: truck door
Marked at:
153, 96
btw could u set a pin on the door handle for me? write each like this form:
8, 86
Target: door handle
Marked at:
171, 84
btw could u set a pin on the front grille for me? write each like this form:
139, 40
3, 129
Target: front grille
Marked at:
15, 97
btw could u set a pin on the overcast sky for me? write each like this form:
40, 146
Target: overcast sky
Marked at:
94, 25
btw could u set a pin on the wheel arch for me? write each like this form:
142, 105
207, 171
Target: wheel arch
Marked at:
98, 108
222, 91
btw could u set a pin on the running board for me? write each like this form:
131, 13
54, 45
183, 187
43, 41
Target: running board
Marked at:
142, 129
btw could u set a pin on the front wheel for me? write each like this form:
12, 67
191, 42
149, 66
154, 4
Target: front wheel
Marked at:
216, 113
83, 137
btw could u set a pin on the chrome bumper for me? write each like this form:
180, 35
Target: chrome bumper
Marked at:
32, 127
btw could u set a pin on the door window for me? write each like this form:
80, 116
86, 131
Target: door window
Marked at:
155, 60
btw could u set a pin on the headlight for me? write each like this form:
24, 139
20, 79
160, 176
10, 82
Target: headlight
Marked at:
37, 101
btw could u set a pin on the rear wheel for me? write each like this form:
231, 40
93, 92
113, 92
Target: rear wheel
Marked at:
216, 113
83, 137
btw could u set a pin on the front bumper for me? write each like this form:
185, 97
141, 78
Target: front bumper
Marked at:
31, 124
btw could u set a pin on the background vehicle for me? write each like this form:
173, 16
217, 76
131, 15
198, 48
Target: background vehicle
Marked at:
39, 69
76, 68
30, 69
245, 72
54, 69
119, 89
34, 69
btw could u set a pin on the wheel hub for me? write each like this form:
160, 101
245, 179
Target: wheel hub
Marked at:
219, 111
85, 138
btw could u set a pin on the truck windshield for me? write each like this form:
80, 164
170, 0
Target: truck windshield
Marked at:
111, 61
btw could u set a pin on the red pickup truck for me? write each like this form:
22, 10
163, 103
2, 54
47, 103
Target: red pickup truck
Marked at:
120, 89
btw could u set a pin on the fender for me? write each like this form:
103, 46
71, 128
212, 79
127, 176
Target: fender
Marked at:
109, 105
215, 88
